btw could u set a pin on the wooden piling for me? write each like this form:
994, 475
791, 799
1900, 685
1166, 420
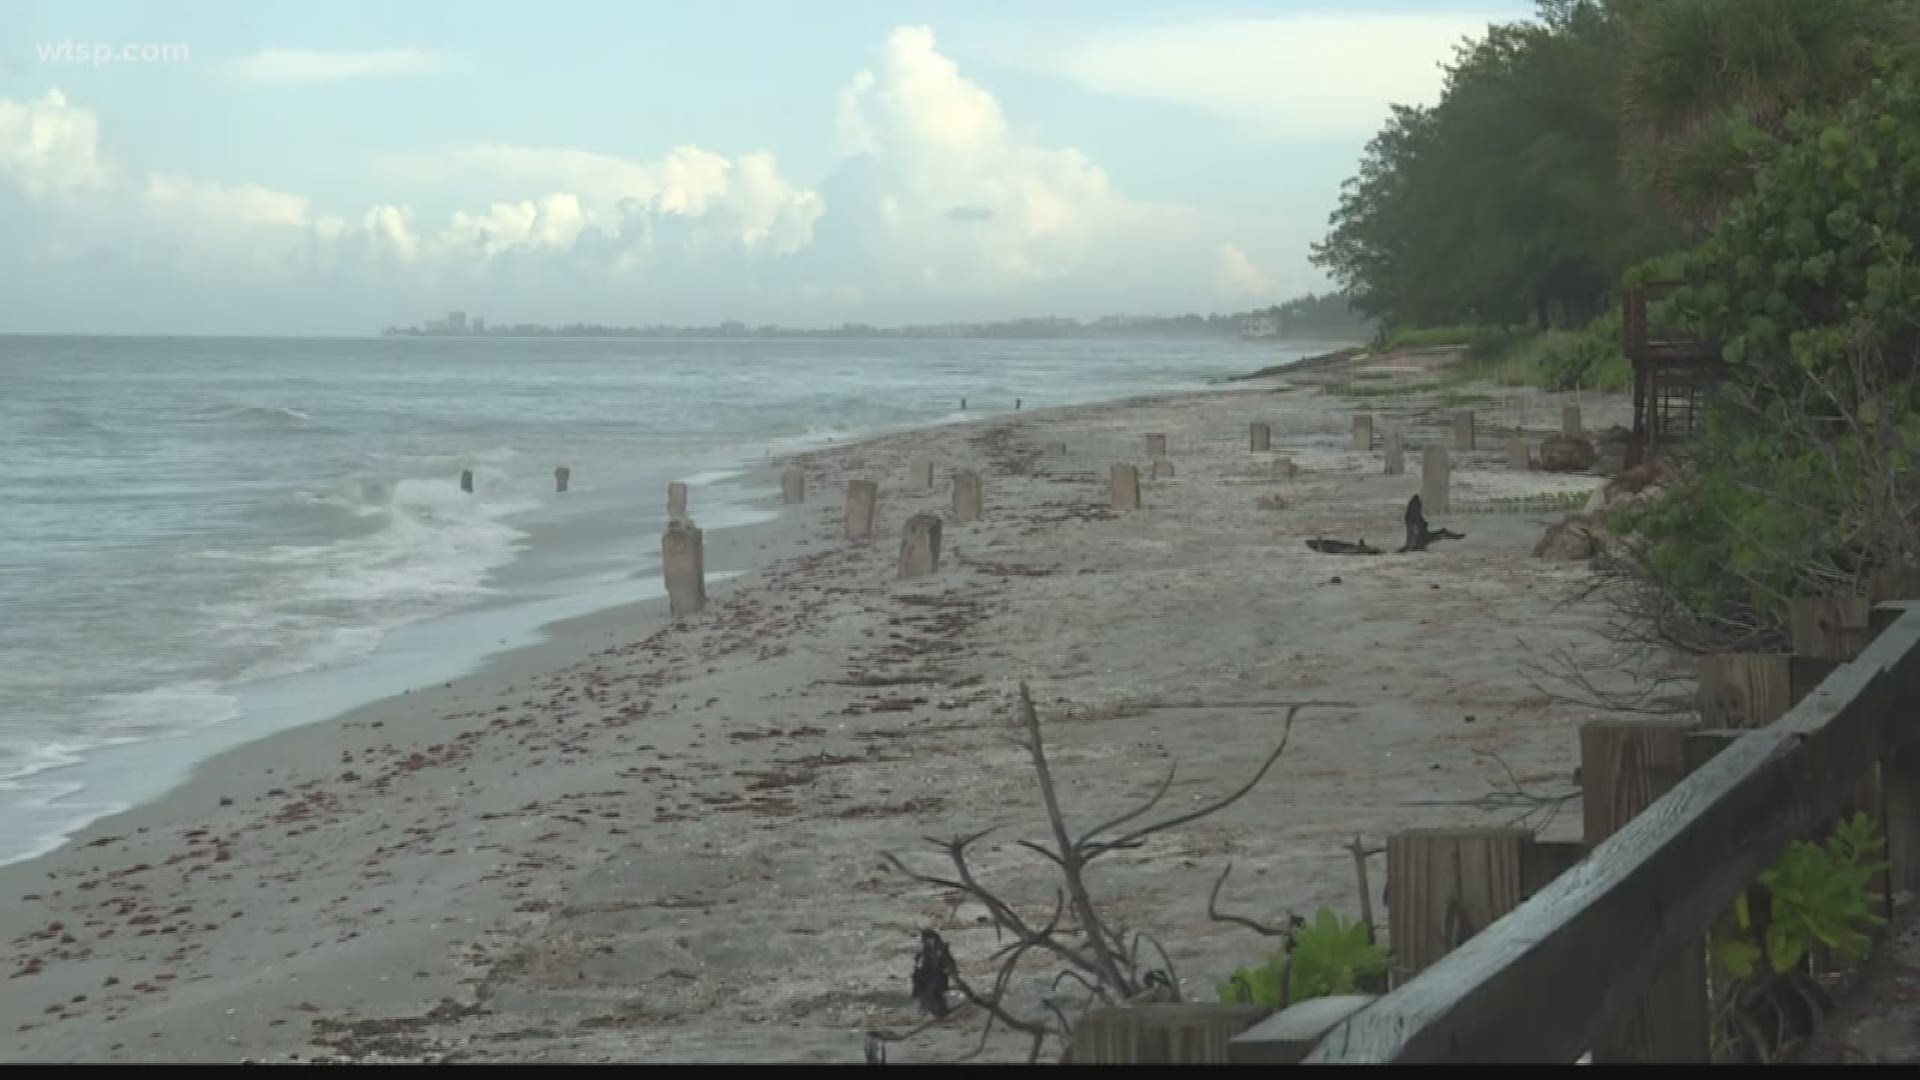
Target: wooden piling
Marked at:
1156, 445
1463, 429
466, 481
1830, 627
967, 499
683, 565
863, 496
1436, 479
1834, 630
793, 485
1518, 458
1396, 463
1285, 469
1624, 768
1446, 885
1161, 467
920, 546
1185, 1033
1259, 436
922, 476
1899, 771
676, 500
561, 476
1570, 422
1745, 690
1362, 432
1123, 483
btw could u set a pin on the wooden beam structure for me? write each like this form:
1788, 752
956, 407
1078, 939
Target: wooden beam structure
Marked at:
1547, 980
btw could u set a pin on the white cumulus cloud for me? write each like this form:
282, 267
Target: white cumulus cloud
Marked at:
332, 65
1240, 277
1288, 75
49, 146
938, 192
940, 208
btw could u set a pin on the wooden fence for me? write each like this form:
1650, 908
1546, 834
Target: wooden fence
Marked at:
1508, 949
1609, 957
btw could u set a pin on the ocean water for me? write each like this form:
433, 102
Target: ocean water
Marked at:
206, 540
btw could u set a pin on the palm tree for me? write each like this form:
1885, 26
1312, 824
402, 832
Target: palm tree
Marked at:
1700, 73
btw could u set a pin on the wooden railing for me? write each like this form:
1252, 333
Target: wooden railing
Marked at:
1638, 341
1564, 970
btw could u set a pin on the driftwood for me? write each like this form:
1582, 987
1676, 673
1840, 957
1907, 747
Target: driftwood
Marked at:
1111, 963
1419, 533
1341, 547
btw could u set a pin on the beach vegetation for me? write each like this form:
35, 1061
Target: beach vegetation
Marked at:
1325, 956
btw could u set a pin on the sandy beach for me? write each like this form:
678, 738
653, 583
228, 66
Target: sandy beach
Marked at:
655, 842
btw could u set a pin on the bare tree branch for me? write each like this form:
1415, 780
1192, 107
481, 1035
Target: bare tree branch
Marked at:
1108, 963
1217, 916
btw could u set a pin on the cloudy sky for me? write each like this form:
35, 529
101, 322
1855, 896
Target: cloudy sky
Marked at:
337, 166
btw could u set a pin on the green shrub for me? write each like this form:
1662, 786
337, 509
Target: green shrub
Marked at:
1810, 284
1819, 897
1426, 337
1330, 955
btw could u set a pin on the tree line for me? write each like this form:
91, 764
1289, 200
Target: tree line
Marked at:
1566, 149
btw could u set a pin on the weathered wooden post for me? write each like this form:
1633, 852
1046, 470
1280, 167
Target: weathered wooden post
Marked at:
1396, 464
1570, 422
1899, 771
1517, 457
793, 485
1446, 885
560, 477
1123, 481
1828, 631
923, 476
1285, 469
684, 568
1184, 1033
676, 500
1156, 445
920, 546
862, 498
1436, 479
1259, 436
466, 481
1362, 432
1463, 429
1745, 690
966, 496
1625, 768
1161, 467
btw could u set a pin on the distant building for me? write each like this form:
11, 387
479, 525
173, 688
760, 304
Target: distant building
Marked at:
1260, 324
457, 321
479, 325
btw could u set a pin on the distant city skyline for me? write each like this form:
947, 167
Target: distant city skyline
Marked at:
225, 167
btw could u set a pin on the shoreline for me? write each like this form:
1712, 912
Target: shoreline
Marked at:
345, 807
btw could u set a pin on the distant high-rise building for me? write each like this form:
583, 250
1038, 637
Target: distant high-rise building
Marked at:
457, 321
479, 325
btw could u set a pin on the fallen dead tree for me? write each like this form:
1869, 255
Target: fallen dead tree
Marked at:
1106, 964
